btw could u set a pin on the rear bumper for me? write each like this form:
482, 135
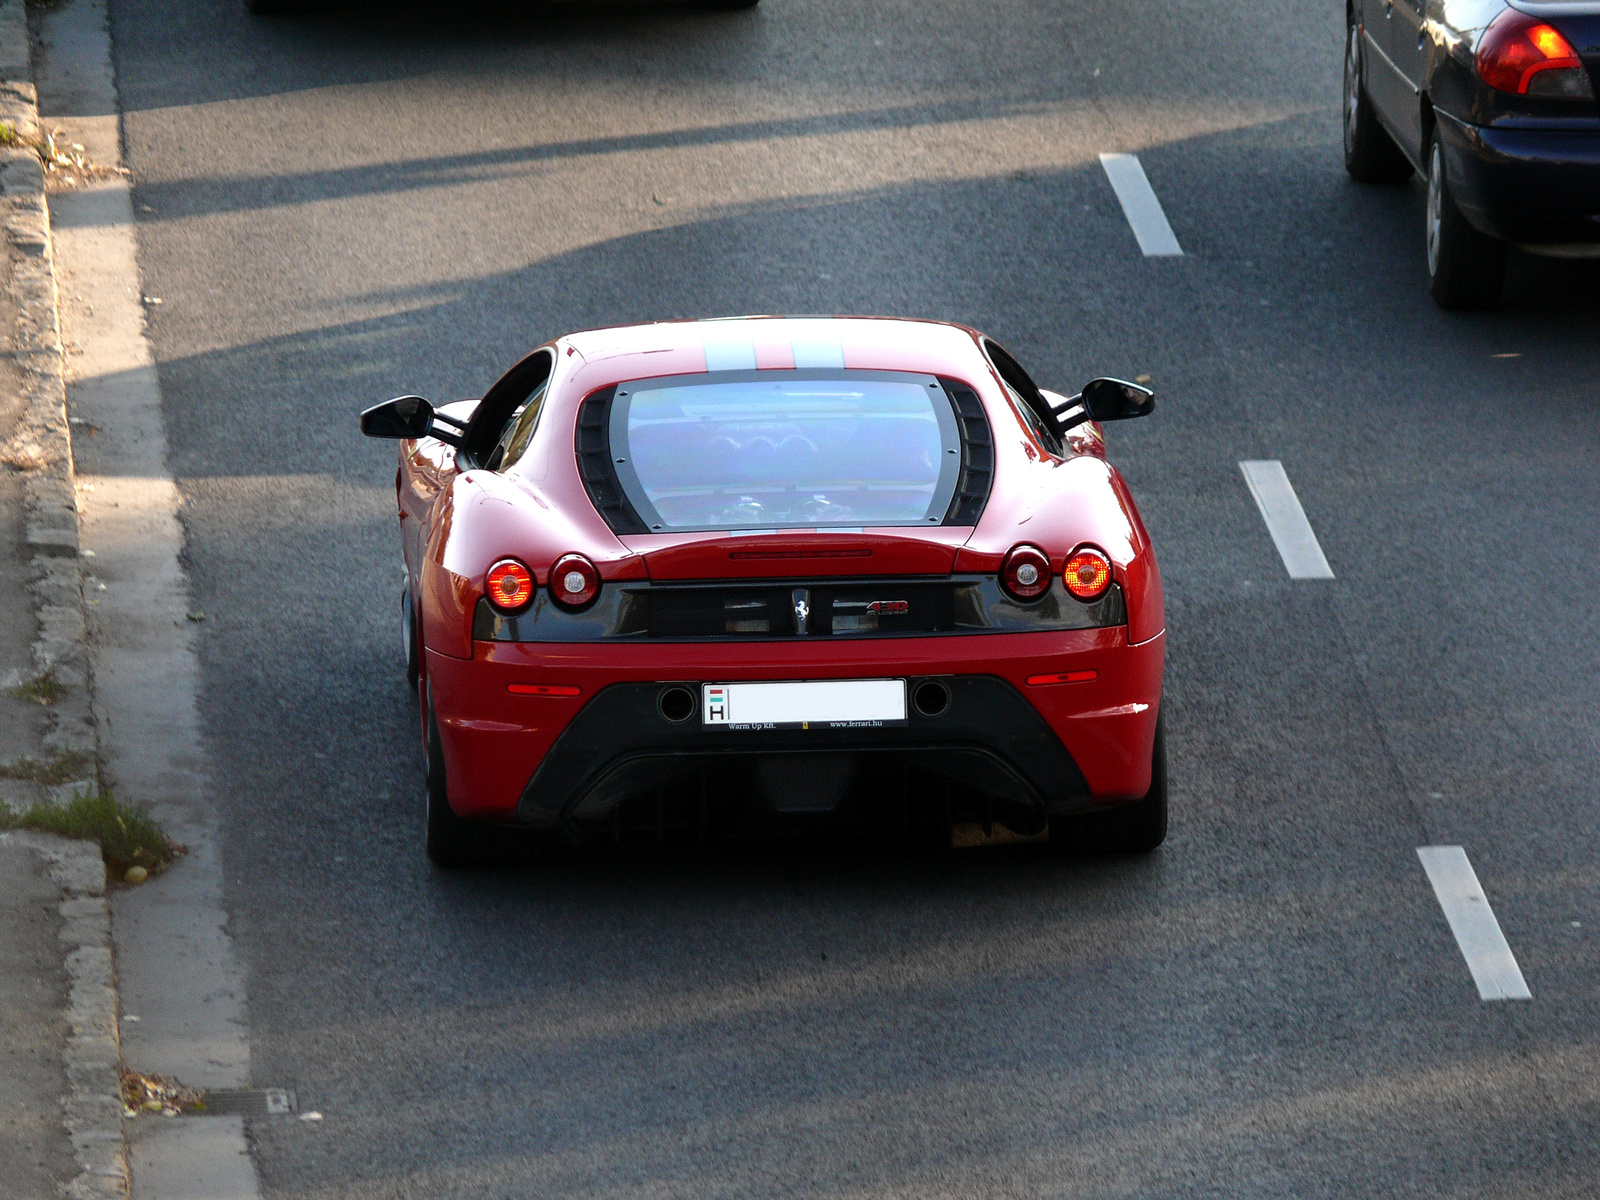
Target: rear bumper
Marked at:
546, 760
1529, 186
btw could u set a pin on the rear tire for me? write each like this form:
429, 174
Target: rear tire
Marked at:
1466, 269
1370, 154
1136, 828
410, 646
410, 637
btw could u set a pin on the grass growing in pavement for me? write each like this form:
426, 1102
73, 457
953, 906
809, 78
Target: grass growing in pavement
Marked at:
127, 835
43, 689
63, 766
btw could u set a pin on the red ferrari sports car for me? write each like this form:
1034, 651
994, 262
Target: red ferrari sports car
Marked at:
728, 575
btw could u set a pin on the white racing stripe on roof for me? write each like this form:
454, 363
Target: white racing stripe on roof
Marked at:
729, 349
816, 344
1488, 954
1140, 206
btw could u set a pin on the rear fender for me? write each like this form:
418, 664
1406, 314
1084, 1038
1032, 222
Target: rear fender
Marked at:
1082, 500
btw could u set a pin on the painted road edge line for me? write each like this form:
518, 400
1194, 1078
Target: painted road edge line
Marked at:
1140, 206
1489, 958
1286, 520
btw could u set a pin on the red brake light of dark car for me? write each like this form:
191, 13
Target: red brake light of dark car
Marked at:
1523, 55
1088, 574
510, 585
574, 581
1025, 573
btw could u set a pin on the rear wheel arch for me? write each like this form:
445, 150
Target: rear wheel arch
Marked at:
1466, 267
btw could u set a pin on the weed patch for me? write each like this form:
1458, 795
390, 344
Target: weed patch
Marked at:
43, 689
126, 833
61, 767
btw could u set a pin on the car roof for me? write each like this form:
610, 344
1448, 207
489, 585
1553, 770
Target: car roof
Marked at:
773, 343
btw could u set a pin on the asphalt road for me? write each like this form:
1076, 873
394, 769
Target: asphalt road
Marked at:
339, 208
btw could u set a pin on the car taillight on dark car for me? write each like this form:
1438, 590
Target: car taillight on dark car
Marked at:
1088, 574
1025, 573
1523, 55
510, 585
574, 581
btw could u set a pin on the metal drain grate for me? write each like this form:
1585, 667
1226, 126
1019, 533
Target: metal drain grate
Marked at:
247, 1102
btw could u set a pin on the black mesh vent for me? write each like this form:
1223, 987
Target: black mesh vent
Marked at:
768, 610
594, 464
977, 456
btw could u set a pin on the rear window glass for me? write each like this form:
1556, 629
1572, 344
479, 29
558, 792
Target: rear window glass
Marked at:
785, 449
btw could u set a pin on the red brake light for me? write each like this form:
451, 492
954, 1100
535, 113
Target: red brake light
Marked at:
510, 585
1523, 55
574, 581
1088, 574
1025, 573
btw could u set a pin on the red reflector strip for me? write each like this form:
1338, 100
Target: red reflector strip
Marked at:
543, 689
1064, 677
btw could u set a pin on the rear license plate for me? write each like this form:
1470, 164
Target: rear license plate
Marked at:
821, 703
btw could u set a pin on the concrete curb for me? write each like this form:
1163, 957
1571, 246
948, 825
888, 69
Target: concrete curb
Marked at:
42, 446
93, 1104
42, 449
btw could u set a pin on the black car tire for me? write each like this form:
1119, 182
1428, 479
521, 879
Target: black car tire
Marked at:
1370, 154
1466, 268
411, 648
1136, 828
454, 843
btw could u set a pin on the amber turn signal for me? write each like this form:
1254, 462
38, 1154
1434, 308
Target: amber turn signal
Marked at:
574, 581
1088, 574
1025, 573
510, 585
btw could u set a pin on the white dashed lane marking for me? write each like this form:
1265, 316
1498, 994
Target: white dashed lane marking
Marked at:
1140, 206
1489, 958
1286, 520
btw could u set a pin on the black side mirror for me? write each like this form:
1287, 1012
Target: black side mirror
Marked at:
1109, 400
406, 417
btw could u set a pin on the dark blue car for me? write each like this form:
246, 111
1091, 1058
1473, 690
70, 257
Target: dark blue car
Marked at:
1493, 102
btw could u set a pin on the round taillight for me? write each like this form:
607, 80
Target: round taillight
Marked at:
510, 585
574, 581
1088, 574
1025, 573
